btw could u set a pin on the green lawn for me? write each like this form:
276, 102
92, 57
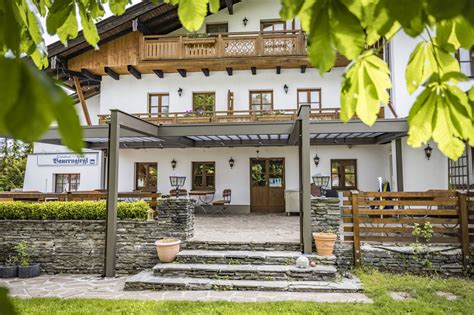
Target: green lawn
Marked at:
423, 289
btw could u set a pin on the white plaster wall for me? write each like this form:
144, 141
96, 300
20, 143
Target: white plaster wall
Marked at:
421, 174
372, 162
41, 178
131, 95
253, 10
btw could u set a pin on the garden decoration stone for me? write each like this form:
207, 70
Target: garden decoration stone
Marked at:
447, 295
400, 296
302, 262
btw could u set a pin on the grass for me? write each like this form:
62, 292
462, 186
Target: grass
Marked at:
376, 284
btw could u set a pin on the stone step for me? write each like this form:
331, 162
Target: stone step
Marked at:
146, 280
246, 272
239, 257
250, 246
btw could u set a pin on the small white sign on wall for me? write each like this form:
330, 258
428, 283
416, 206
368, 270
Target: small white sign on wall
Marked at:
67, 159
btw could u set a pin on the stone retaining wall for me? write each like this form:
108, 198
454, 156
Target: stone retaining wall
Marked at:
77, 246
446, 260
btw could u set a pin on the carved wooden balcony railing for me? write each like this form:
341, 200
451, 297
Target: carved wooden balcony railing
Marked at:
234, 116
278, 43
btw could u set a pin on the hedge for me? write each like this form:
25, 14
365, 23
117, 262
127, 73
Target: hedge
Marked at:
70, 210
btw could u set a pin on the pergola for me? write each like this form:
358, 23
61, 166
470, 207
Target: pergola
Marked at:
127, 131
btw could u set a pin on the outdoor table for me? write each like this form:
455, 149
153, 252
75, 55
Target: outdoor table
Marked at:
205, 198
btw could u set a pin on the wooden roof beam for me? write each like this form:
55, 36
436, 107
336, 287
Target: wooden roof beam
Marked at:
230, 6
205, 71
112, 73
182, 72
133, 71
90, 75
159, 73
77, 84
254, 70
229, 70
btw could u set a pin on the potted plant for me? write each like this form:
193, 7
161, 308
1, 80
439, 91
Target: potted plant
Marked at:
167, 249
325, 242
25, 268
10, 268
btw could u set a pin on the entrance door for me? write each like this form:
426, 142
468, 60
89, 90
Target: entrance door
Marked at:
267, 185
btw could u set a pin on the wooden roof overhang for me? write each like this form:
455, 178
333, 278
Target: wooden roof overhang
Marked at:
151, 18
239, 134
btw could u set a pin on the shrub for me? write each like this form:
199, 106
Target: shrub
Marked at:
71, 210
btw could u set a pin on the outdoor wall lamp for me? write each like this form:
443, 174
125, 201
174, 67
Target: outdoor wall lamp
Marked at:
173, 163
285, 87
231, 162
180, 92
428, 151
316, 160
245, 21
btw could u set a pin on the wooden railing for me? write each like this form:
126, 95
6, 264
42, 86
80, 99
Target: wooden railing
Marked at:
234, 116
277, 43
389, 217
95, 195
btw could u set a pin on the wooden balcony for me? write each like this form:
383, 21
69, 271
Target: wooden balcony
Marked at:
233, 116
224, 45
194, 52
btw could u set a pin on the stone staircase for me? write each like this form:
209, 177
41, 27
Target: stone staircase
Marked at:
243, 267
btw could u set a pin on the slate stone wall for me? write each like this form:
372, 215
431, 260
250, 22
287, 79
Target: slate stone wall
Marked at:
77, 246
445, 260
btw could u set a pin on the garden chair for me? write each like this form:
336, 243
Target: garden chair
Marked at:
223, 203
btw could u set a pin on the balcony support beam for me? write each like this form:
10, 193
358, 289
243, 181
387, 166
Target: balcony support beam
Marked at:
303, 68
90, 75
254, 70
229, 70
182, 72
159, 73
114, 75
278, 70
230, 6
205, 71
133, 71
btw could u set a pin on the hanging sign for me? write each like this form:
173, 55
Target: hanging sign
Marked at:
67, 159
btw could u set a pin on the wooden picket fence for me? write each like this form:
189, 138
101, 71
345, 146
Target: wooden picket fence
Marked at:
389, 217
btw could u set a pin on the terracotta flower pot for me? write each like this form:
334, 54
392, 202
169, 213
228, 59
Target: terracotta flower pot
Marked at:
324, 243
167, 250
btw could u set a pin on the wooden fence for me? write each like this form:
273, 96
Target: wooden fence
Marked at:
389, 217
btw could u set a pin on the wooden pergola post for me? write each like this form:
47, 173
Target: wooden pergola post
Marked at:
305, 177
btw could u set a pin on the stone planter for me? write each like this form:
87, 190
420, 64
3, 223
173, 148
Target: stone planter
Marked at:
30, 271
8, 271
167, 250
324, 243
